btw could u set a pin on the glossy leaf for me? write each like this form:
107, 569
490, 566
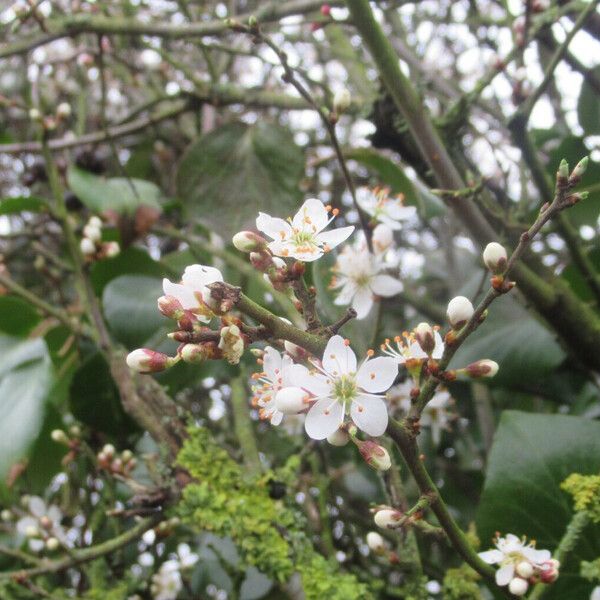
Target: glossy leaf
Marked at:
17, 317
231, 173
18, 204
588, 106
532, 454
118, 194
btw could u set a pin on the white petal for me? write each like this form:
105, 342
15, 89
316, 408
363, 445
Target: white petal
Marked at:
276, 417
339, 358
335, 236
273, 227
199, 276
386, 285
315, 211
184, 294
504, 574
438, 349
377, 375
24, 523
366, 200
370, 415
362, 302
391, 223
272, 364
324, 417
399, 212
290, 400
346, 294
491, 557
37, 506
307, 254
36, 545
315, 383
292, 372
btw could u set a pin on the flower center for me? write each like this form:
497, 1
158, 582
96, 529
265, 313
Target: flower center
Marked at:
303, 237
344, 388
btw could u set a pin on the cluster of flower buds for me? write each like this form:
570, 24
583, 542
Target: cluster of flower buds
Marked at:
70, 439
116, 464
521, 564
92, 246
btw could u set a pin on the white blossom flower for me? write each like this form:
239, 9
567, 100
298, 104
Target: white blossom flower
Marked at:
406, 348
167, 582
435, 415
277, 374
42, 523
359, 278
186, 557
193, 293
339, 386
388, 210
510, 551
303, 237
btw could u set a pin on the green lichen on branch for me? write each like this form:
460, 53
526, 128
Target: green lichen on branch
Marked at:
590, 570
461, 584
585, 490
225, 500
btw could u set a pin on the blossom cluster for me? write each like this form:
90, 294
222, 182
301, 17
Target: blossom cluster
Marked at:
91, 244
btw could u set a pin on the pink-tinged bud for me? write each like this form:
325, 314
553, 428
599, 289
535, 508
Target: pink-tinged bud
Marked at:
387, 518
144, 360
325, 10
339, 437
261, 261
518, 586
248, 241
495, 258
193, 353
111, 249
524, 569
549, 571
170, 307
291, 400
108, 450
298, 353
424, 336
481, 368
374, 455
459, 311
375, 542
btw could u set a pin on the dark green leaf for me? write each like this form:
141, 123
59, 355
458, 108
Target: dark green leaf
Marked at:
17, 317
532, 454
130, 308
588, 106
94, 398
231, 173
117, 193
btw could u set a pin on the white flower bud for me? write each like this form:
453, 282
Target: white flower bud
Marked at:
126, 456
31, 531
339, 437
6, 515
63, 110
87, 247
35, 114
93, 233
341, 101
231, 343
75, 431
248, 241
59, 436
52, 544
495, 258
518, 586
459, 311
95, 221
291, 400
144, 360
375, 542
524, 569
387, 518
109, 450
482, 368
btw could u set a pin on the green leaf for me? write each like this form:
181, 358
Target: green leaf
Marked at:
391, 175
531, 455
231, 173
24, 390
588, 106
18, 204
131, 261
94, 398
521, 345
130, 308
17, 317
117, 193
